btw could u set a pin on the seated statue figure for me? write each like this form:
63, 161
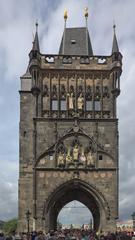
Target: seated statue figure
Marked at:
90, 160
82, 157
60, 159
76, 153
68, 157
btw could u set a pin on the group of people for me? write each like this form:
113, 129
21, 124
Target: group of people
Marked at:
70, 234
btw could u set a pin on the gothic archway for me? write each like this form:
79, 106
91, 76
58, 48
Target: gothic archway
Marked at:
81, 191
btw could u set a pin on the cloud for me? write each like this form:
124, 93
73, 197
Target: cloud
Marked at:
8, 189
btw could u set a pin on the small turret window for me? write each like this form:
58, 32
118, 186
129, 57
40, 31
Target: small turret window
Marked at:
73, 41
50, 157
100, 157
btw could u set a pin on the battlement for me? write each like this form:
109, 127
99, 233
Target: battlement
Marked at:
99, 62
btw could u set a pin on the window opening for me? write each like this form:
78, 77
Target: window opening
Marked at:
63, 106
97, 106
100, 157
54, 105
89, 105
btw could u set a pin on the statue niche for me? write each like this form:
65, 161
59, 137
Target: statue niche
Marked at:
90, 159
54, 91
45, 98
61, 155
80, 102
70, 98
88, 93
69, 158
83, 157
76, 153
63, 92
61, 159
70, 101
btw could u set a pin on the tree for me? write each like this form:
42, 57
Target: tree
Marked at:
1, 224
10, 226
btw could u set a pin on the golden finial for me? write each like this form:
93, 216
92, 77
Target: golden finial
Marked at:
86, 14
65, 15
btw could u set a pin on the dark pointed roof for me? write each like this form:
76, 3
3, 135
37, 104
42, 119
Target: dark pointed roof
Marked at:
36, 43
115, 48
76, 41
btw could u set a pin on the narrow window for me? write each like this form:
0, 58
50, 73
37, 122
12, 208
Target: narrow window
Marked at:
54, 105
89, 105
97, 106
50, 157
73, 41
63, 105
100, 157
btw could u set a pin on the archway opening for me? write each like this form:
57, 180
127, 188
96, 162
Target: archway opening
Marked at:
75, 215
68, 192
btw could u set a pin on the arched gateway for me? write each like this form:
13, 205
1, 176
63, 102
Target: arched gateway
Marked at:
69, 133
77, 189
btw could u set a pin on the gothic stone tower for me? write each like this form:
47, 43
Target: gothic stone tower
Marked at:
69, 132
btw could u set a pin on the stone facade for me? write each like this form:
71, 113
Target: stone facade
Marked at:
69, 138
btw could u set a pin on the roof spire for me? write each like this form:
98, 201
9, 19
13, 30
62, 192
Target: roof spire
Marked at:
36, 41
36, 26
115, 48
65, 19
86, 14
65, 16
76, 41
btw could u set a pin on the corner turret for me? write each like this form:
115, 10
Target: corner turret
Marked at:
116, 55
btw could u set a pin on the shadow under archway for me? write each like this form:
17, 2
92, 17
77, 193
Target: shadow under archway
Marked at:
74, 190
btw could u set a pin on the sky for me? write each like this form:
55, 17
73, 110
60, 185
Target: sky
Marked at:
17, 25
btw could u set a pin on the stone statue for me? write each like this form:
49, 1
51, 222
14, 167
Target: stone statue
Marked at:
68, 156
70, 101
80, 102
82, 157
90, 160
76, 153
60, 159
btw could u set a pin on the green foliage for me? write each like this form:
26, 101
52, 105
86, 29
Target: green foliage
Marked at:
1, 224
10, 226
